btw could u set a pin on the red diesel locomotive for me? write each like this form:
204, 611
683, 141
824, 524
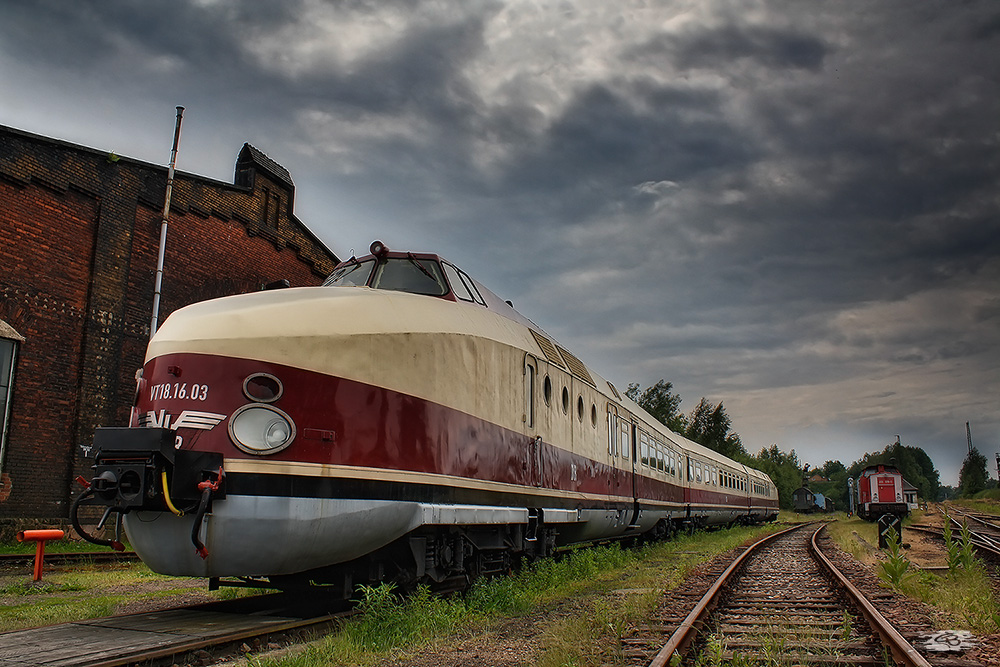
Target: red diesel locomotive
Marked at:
880, 492
400, 422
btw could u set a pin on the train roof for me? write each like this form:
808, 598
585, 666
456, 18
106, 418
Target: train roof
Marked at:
453, 284
876, 468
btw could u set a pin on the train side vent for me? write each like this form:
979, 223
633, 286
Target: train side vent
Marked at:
548, 349
576, 366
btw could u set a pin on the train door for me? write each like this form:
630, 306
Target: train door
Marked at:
625, 444
620, 452
633, 476
533, 455
612, 453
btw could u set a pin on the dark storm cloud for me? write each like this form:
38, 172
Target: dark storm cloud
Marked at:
644, 132
721, 47
91, 34
788, 207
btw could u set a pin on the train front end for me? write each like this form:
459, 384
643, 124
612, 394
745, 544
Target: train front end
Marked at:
253, 448
880, 492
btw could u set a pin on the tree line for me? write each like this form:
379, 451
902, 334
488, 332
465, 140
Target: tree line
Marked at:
709, 425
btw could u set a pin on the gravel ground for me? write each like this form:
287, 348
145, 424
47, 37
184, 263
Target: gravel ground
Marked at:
519, 641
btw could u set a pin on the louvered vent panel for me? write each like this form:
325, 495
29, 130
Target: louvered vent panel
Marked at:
576, 366
548, 348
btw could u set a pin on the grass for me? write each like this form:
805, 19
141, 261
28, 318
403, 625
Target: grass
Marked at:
54, 547
584, 592
986, 501
88, 591
964, 592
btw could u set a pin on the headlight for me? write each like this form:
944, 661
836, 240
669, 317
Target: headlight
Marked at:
261, 429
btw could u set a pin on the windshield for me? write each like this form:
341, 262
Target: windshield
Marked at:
352, 275
409, 274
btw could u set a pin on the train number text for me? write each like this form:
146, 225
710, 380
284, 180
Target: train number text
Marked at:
179, 391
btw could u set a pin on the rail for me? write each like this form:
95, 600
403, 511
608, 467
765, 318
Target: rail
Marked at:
680, 641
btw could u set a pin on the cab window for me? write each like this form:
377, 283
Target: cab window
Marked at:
351, 275
409, 274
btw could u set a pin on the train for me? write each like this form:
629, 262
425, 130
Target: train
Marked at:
807, 501
400, 422
880, 492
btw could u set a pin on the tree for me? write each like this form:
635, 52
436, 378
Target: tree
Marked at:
785, 470
661, 403
835, 488
833, 468
709, 425
973, 476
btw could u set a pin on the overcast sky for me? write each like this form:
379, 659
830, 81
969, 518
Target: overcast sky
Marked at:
790, 207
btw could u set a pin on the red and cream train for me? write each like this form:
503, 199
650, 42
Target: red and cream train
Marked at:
400, 422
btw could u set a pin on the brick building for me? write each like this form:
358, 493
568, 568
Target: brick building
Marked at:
79, 233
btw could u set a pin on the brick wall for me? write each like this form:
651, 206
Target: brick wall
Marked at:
79, 232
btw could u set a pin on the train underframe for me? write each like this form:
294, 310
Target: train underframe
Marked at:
177, 508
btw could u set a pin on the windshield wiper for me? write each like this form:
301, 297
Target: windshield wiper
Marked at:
420, 266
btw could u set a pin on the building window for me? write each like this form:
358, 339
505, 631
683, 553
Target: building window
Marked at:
272, 204
8, 357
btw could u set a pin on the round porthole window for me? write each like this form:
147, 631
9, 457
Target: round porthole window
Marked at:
565, 400
262, 387
547, 390
593, 416
579, 408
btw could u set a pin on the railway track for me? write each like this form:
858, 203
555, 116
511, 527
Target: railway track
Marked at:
985, 528
782, 602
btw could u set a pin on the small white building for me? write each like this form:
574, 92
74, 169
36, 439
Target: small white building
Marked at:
910, 495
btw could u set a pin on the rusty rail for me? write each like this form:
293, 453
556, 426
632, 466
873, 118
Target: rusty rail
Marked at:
684, 635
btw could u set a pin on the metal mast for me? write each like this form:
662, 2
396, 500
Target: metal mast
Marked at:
163, 225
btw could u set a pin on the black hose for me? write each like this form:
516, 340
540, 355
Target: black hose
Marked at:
75, 519
206, 496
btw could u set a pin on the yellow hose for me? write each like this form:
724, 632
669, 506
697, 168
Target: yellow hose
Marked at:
166, 495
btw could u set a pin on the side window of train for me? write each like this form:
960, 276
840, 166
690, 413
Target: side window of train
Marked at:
612, 430
471, 286
460, 289
626, 440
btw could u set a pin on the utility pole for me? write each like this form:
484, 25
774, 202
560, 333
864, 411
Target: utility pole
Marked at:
968, 435
153, 323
